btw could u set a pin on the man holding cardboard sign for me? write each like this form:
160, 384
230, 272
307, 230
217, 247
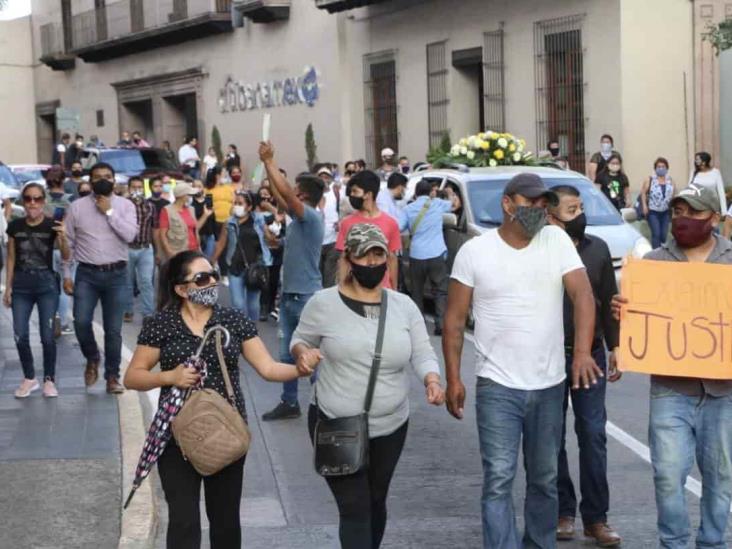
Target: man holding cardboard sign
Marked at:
688, 415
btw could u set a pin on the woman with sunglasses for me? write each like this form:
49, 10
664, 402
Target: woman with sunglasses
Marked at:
31, 281
342, 323
187, 308
243, 238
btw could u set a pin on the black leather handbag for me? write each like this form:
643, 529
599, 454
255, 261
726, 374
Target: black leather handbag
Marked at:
342, 443
256, 275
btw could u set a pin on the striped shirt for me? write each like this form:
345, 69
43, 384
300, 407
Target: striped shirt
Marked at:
145, 211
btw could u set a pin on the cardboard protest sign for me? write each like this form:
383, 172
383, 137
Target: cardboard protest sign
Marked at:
678, 321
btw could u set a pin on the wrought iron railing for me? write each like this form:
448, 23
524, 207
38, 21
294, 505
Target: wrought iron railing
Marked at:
124, 17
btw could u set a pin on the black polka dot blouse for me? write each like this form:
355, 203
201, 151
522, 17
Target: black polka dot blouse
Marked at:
168, 332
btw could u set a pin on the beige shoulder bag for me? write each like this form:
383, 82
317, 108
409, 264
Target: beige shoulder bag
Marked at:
209, 430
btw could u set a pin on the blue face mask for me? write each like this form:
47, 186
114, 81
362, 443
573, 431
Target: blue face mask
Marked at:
166, 188
661, 171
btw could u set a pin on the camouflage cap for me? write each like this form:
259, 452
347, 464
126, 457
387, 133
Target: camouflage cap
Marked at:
363, 237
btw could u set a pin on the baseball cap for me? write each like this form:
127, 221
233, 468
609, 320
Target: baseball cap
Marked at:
184, 189
325, 170
530, 185
699, 198
387, 152
363, 237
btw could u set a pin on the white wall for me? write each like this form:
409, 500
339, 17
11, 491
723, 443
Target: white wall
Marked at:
17, 104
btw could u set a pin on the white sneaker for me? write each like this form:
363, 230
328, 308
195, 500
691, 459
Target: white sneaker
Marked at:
26, 388
49, 389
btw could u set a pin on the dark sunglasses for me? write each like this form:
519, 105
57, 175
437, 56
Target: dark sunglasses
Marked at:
203, 279
28, 198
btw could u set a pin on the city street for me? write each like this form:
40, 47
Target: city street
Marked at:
60, 466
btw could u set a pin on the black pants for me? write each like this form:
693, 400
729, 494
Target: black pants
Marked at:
268, 297
434, 270
329, 264
361, 498
182, 487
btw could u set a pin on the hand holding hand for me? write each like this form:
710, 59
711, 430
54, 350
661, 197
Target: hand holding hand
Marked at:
584, 371
455, 396
308, 361
434, 392
184, 377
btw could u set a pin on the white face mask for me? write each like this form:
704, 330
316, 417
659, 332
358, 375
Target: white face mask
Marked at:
239, 211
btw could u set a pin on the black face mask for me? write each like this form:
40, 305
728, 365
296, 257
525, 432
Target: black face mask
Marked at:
82, 194
356, 202
368, 276
103, 187
576, 227
554, 151
76, 173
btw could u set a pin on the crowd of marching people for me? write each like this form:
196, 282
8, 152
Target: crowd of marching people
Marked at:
321, 254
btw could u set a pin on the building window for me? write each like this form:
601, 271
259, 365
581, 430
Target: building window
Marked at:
560, 86
100, 118
494, 102
437, 99
380, 104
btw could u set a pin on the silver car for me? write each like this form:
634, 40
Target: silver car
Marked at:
481, 190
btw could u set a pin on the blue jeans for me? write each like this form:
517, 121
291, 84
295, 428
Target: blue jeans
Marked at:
681, 427
208, 245
291, 306
109, 287
35, 287
140, 267
505, 416
64, 301
658, 223
590, 418
243, 298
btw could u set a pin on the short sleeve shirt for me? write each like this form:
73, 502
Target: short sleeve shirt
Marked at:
301, 262
187, 218
518, 299
168, 332
33, 243
383, 221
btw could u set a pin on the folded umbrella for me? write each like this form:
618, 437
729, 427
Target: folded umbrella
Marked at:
159, 433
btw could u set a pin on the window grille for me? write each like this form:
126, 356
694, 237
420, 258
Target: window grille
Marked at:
560, 86
380, 104
437, 98
494, 101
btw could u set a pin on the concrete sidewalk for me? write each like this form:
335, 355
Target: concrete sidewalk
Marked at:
59, 458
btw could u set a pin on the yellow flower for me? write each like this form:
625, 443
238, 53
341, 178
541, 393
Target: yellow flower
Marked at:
498, 153
512, 147
485, 145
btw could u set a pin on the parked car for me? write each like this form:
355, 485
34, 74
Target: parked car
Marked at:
10, 189
25, 173
128, 161
481, 190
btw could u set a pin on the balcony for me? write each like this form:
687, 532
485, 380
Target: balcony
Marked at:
334, 6
53, 50
264, 11
131, 26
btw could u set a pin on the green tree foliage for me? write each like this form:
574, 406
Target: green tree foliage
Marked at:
720, 36
311, 149
216, 144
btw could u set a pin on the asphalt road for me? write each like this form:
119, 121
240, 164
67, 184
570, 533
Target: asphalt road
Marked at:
435, 495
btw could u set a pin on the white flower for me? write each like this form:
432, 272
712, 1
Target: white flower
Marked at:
489, 134
471, 155
463, 150
516, 156
455, 150
463, 142
472, 142
502, 143
492, 163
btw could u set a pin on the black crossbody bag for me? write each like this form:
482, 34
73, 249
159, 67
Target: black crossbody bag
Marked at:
342, 444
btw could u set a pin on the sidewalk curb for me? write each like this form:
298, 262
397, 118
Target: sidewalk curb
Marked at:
138, 525
139, 522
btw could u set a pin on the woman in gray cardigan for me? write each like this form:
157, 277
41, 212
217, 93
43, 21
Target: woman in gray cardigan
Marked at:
339, 326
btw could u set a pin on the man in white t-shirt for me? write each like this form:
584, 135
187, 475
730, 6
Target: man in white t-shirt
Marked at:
188, 157
515, 277
330, 206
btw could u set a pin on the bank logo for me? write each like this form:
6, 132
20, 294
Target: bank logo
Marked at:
238, 96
